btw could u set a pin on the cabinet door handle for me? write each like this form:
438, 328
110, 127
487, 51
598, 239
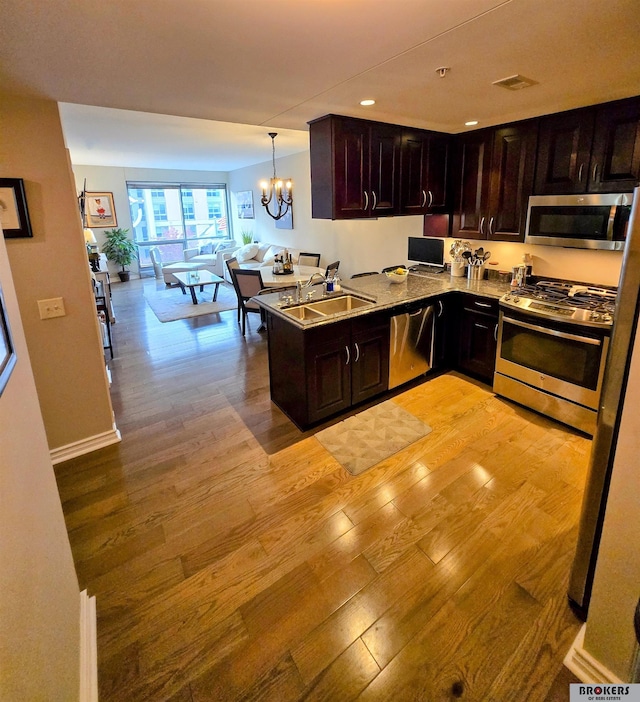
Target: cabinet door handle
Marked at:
580, 172
490, 227
482, 226
481, 304
595, 171
441, 310
424, 199
375, 200
495, 333
430, 198
481, 326
366, 200
357, 352
346, 348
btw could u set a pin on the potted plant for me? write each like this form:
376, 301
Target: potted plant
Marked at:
119, 249
246, 235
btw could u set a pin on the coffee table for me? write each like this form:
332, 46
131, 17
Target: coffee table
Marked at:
195, 279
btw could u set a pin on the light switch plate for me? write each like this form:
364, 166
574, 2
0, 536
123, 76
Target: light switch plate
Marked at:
51, 308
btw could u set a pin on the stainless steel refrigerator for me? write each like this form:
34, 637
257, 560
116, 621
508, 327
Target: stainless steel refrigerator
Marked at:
605, 438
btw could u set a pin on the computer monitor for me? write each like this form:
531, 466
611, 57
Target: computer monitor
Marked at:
426, 251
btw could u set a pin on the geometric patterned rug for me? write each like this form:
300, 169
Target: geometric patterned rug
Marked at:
365, 439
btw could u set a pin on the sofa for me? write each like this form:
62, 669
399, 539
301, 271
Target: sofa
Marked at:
253, 255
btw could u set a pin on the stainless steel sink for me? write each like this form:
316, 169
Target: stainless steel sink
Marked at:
324, 308
303, 312
333, 305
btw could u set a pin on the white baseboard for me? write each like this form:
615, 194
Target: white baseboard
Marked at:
80, 448
585, 667
88, 649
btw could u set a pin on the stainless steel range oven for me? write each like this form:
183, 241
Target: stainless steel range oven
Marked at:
553, 339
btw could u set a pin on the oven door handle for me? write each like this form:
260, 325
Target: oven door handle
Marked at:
553, 332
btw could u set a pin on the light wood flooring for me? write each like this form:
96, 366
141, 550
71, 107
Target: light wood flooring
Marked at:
232, 558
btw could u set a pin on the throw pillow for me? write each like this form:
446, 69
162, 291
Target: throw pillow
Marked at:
247, 252
206, 249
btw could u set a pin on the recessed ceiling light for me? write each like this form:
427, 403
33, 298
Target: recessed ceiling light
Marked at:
471, 123
366, 103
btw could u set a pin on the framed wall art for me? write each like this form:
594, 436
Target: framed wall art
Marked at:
244, 200
7, 352
99, 210
286, 222
14, 214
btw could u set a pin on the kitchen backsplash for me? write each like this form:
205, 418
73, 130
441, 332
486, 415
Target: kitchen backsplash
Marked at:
600, 267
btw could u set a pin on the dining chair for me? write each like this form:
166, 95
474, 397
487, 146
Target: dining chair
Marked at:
248, 284
392, 268
332, 269
309, 259
232, 263
361, 275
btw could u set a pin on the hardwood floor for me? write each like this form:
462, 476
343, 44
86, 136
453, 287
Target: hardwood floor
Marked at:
233, 558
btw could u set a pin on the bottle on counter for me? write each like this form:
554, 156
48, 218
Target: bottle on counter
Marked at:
527, 259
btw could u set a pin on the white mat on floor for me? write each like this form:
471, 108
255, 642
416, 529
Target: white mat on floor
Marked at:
170, 304
369, 437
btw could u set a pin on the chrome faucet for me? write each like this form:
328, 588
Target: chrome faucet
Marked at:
300, 286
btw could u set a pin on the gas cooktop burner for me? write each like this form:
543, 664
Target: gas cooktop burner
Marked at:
578, 304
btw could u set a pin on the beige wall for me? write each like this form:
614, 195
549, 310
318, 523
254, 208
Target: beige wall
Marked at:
66, 352
39, 598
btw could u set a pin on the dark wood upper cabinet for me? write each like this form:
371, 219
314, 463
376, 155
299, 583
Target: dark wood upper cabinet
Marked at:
425, 167
615, 156
494, 177
512, 167
355, 168
590, 150
472, 185
564, 148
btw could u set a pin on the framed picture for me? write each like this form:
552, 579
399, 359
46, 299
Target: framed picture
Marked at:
99, 210
14, 214
7, 352
286, 222
244, 200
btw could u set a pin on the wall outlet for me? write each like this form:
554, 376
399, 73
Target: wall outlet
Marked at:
51, 308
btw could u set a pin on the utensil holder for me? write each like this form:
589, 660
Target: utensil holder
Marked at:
475, 272
457, 269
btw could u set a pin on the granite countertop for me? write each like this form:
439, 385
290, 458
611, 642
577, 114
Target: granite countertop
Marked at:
384, 294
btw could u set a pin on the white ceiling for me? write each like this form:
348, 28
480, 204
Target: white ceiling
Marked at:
276, 66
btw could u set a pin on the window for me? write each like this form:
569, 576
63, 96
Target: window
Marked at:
175, 217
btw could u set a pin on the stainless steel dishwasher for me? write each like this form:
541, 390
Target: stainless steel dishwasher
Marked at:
411, 344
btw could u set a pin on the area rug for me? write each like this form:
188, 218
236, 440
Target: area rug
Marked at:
170, 304
365, 439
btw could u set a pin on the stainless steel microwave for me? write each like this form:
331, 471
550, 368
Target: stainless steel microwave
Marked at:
579, 221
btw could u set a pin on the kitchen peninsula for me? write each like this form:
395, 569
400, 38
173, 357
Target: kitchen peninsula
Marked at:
322, 364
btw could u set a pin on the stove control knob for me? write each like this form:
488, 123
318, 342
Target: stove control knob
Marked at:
516, 298
606, 317
507, 297
595, 316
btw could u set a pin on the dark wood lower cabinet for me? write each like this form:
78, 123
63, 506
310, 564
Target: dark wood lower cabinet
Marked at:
477, 336
319, 372
322, 371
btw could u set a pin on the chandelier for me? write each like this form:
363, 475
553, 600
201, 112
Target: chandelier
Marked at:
272, 192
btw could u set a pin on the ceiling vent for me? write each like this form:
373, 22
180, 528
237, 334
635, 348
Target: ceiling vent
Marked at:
516, 82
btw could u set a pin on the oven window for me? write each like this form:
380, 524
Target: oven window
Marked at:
566, 359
